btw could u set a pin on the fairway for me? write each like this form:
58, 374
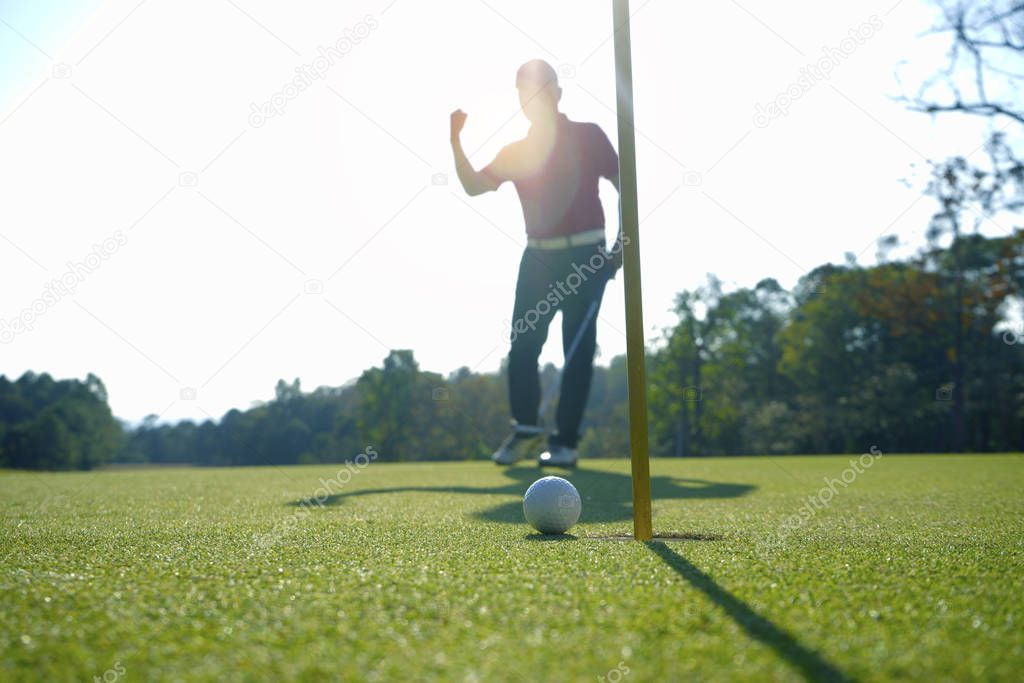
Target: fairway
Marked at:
428, 572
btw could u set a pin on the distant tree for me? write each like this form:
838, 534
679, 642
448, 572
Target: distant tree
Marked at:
677, 384
386, 405
605, 429
466, 414
717, 368
284, 391
47, 424
967, 195
43, 443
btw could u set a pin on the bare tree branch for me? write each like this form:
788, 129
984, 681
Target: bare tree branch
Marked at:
987, 42
977, 108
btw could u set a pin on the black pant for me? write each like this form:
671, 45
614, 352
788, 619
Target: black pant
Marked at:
572, 281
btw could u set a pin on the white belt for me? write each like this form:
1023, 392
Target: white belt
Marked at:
564, 241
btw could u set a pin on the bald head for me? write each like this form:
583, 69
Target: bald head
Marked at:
537, 73
539, 92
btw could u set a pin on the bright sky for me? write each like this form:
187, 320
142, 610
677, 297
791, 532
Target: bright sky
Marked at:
214, 251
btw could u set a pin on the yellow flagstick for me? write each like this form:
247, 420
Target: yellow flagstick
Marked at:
629, 216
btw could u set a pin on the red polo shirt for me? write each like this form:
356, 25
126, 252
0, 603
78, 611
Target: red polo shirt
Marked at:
556, 176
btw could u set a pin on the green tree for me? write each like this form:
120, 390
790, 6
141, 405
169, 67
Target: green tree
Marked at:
386, 405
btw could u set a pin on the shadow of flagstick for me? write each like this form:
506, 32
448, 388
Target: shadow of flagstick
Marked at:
812, 665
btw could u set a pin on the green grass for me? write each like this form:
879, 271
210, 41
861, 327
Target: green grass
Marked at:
427, 572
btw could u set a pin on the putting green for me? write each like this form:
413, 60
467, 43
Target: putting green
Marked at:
912, 568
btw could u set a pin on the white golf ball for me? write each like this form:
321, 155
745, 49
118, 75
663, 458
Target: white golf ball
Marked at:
552, 505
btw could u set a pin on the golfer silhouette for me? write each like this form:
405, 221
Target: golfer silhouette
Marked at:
556, 169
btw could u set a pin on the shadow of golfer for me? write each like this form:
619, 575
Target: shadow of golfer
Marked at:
607, 496
809, 663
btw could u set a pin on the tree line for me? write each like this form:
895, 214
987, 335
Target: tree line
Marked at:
852, 357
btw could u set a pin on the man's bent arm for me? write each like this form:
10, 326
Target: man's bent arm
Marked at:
472, 180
